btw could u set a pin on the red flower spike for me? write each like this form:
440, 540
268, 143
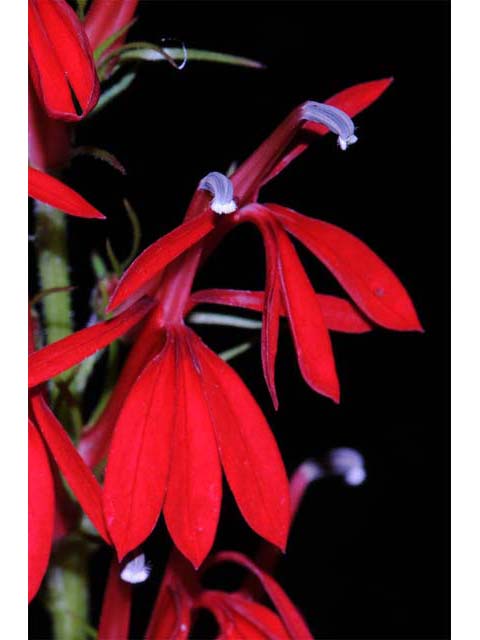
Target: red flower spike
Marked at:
60, 60
194, 492
104, 18
80, 479
248, 451
48, 189
312, 341
371, 284
149, 263
116, 607
139, 457
41, 507
292, 620
339, 314
63, 354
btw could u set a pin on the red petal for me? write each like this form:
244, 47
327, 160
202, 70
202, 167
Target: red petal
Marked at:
158, 255
95, 440
291, 618
60, 59
139, 456
63, 354
41, 505
271, 310
339, 314
371, 284
240, 618
312, 341
170, 619
81, 480
48, 189
104, 18
248, 451
194, 493
49, 142
116, 607
352, 100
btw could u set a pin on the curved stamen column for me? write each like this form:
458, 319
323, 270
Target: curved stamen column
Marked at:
334, 119
221, 189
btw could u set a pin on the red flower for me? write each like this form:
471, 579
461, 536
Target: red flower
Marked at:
48, 189
181, 595
374, 288
172, 411
60, 60
47, 437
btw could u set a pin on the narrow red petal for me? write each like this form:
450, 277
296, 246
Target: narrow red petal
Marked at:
116, 607
194, 493
41, 508
290, 616
95, 440
352, 100
312, 341
170, 619
139, 456
48, 189
60, 60
252, 620
63, 354
339, 314
372, 285
80, 479
104, 18
158, 255
248, 451
271, 310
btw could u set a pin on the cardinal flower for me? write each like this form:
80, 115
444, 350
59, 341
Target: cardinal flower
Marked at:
239, 614
47, 441
181, 596
60, 60
168, 425
373, 287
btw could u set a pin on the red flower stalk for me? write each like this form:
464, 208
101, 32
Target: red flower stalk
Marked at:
47, 437
60, 60
48, 189
173, 408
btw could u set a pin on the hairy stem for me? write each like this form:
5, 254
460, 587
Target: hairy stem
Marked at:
67, 590
51, 242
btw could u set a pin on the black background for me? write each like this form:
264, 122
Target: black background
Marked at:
362, 563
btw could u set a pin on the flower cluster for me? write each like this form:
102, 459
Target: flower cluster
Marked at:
179, 415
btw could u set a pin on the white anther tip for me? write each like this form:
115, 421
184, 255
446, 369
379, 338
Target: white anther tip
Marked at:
345, 143
223, 207
135, 571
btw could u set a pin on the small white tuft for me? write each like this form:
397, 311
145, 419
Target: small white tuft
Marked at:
136, 571
221, 189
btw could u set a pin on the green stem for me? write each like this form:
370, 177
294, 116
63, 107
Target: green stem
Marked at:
67, 592
51, 242
67, 578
